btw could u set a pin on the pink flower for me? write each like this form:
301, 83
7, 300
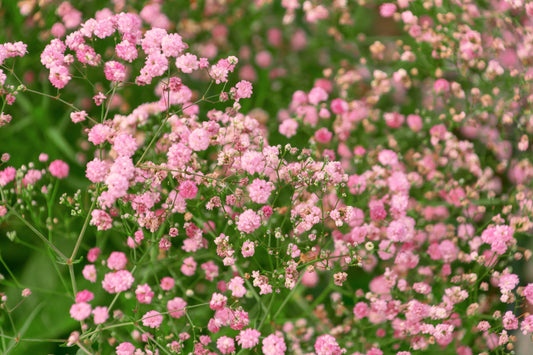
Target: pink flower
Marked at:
510, 321
99, 98
59, 76
117, 260
248, 221
339, 106
126, 50
339, 278
115, 71
236, 286
310, 279
93, 254
248, 249
59, 169
152, 319
84, 296
508, 282
97, 170
441, 85
167, 283
316, 95
242, 90
288, 127
414, 122
274, 345
89, 272
394, 119
387, 9
327, 345
125, 349
259, 190
176, 307
199, 139
78, 116
388, 157
189, 266
144, 294
263, 59
528, 293
527, 325
99, 134
248, 338
119, 281
172, 45
323, 135
81, 310
73, 338
125, 145
499, 237
211, 270
100, 315
187, 63
101, 220
226, 345
218, 301
361, 310
188, 189
253, 162
7, 175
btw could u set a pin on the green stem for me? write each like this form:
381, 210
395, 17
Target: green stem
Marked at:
9, 271
38, 234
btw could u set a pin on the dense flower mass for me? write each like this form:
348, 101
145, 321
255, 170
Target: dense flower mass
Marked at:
233, 180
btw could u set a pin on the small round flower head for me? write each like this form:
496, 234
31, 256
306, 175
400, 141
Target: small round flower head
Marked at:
236, 286
248, 338
248, 249
218, 301
93, 254
73, 338
167, 283
288, 127
526, 327
101, 219
100, 315
252, 162
152, 319
226, 345
188, 267
84, 296
187, 189
274, 345
119, 281
242, 90
176, 307
124, 144
199, 140
125, 349
260, 190
327, 345
89, 272
249, 221
78, 116
58, 169
81, 310
117, 260
144, 294
387, 9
